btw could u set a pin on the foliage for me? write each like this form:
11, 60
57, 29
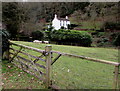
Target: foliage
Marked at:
5, 43
72, 26
96, 14
37, 35
81, 38
12, 17
47, 10
117, 40
112, 25
48, 32
102, 42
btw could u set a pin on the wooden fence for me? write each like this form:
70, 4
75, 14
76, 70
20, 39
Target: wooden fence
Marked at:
47, 53
28, 63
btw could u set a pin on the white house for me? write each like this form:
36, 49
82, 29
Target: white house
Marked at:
57, 23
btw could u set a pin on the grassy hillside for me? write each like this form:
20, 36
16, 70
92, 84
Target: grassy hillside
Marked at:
95, 15
74, 73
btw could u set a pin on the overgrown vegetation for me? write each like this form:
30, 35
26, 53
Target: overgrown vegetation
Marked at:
37, 35
112, 25
13, 16
5, 43
117, 40
103, 38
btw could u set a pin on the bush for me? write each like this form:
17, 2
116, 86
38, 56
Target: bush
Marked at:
37, 35
5, 43
112, 25
117, 40
81, 38
101, 34
71, 26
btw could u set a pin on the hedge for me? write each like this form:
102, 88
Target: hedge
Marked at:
81, 38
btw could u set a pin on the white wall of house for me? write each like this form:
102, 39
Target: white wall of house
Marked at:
57, 24
68, 22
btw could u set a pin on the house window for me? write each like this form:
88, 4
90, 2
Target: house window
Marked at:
60, 22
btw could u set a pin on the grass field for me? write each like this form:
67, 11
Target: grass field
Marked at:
74, 73
15, 78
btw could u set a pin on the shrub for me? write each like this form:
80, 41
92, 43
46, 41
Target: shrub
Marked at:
101, 34
103, 42
117, 40
112, 25
81, 38
5, 43
71, 26
37, 35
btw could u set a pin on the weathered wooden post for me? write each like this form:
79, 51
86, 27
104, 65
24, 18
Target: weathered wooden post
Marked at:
48, 64
8, 51
116, 78
6, 54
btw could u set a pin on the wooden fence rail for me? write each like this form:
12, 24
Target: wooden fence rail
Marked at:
88, 58
27, 47
46, 53
71, 55
48, 59
27, 54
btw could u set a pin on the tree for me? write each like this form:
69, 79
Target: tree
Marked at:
13, 15
117, 40
37, 35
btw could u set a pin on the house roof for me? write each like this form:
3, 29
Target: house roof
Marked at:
64, 19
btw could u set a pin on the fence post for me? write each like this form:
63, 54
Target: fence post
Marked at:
6, 54
116, 78
48, 64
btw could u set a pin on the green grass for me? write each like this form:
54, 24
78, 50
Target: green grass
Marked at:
15, 78
74, 73
101, 53
91, 24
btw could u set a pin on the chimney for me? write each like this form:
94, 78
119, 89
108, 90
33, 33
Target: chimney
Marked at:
55, 16
66, 17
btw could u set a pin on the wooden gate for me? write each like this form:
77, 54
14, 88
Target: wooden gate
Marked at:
38, 65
